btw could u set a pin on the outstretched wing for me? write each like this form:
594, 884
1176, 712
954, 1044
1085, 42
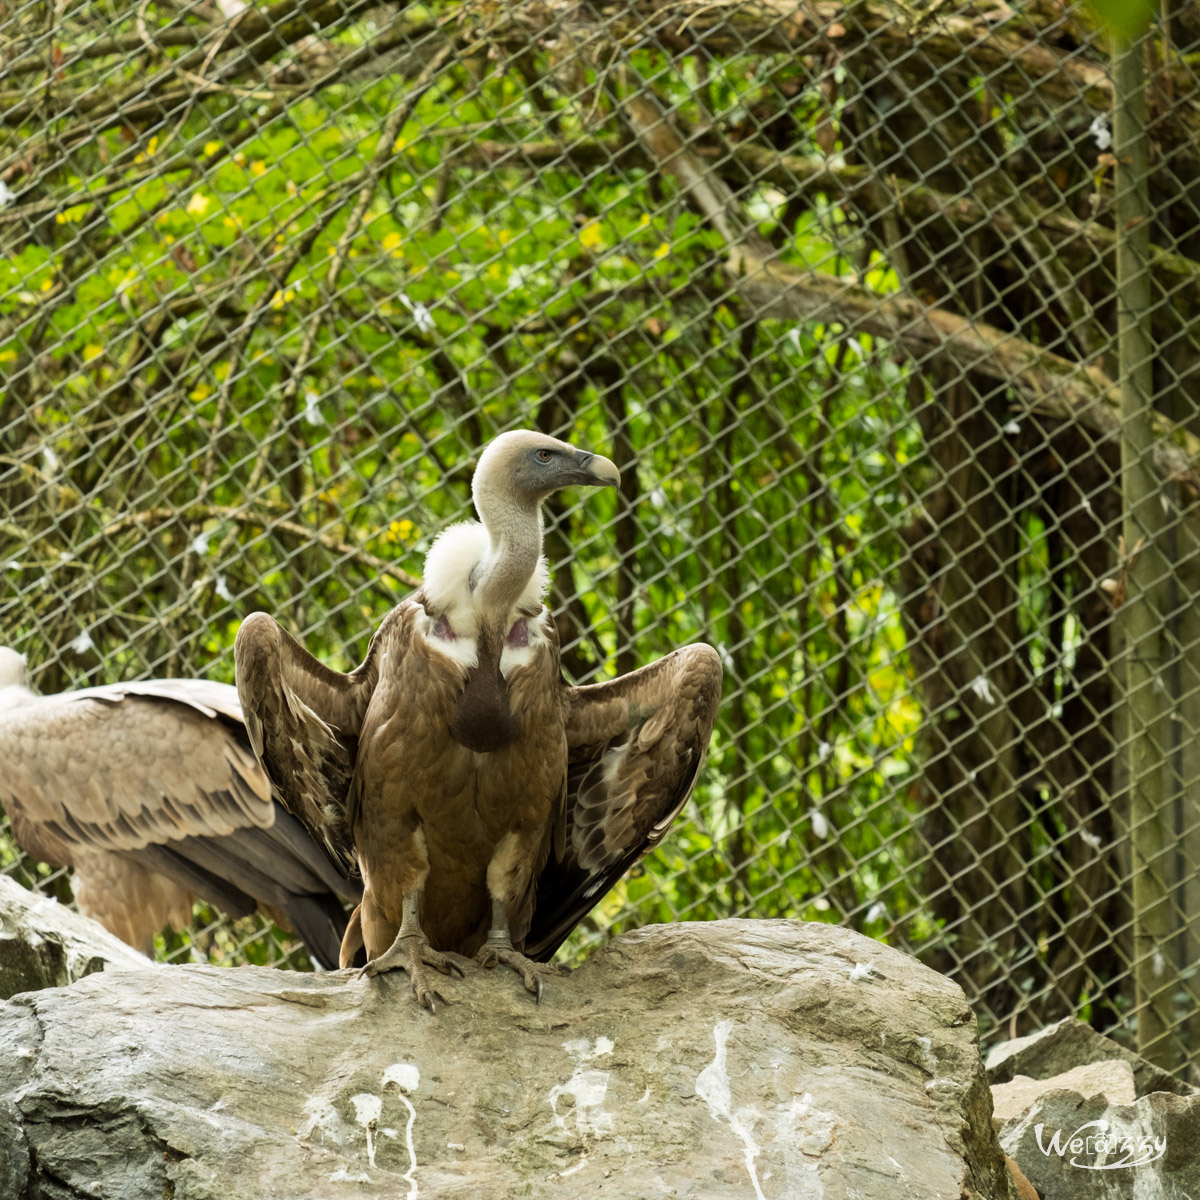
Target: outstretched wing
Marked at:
304, 720
634, 748
154, 784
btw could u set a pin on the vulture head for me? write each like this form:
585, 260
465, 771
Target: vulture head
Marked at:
12, 668
523, 468
489, 568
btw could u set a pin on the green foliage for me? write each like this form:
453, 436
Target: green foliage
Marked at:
1126, 20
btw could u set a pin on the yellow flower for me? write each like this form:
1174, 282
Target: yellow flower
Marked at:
151, 146
198, 204
591, 235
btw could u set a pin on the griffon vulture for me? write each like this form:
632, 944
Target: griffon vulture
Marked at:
455, 762
150, 791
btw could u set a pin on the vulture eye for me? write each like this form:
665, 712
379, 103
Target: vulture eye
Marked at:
545, 455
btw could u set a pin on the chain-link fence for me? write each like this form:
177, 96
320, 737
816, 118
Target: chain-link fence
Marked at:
835, 285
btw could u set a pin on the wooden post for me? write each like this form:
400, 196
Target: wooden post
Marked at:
1147, 515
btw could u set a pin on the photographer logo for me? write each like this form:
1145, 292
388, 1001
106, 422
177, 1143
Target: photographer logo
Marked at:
1094, 1146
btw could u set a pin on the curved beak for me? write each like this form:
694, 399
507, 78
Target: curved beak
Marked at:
597, 469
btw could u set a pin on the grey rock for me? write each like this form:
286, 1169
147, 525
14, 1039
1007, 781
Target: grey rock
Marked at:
1071, 1147
1112, 1079
724, 1059
1072, 1043
43, 944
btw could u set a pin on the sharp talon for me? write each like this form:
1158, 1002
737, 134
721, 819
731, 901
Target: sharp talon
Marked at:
538, 990
413, 954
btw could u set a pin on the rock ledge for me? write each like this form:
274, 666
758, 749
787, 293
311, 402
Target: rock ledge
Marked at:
732, 1058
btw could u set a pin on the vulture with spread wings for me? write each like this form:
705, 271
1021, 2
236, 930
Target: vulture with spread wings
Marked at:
488, 804
151, 793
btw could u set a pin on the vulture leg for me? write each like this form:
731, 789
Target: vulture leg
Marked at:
410, 951
510, 885
499, 949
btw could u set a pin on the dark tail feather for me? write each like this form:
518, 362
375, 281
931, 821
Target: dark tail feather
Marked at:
320, 920
221, 892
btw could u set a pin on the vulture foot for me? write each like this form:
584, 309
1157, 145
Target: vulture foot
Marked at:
533, 973
412, 953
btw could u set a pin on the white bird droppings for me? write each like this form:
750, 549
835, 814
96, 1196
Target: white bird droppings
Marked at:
405, 1078
804, 1133
587, 1089
712, 1086
366, 1112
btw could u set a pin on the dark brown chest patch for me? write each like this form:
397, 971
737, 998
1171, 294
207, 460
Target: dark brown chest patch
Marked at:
483, 717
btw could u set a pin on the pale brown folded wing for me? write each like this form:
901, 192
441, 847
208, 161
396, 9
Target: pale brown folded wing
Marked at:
160, 774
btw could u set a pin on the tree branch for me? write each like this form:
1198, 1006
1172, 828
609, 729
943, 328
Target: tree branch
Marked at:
266, 521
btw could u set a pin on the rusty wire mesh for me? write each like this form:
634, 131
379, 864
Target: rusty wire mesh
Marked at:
834, 285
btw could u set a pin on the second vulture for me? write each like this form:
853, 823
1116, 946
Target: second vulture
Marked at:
150, 792
488, 803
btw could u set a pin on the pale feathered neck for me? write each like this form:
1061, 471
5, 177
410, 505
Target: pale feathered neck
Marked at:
483, 572
458, 565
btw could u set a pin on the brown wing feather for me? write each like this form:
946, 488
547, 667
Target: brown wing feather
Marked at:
151, 792
304, 720
634, 750
126, 766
